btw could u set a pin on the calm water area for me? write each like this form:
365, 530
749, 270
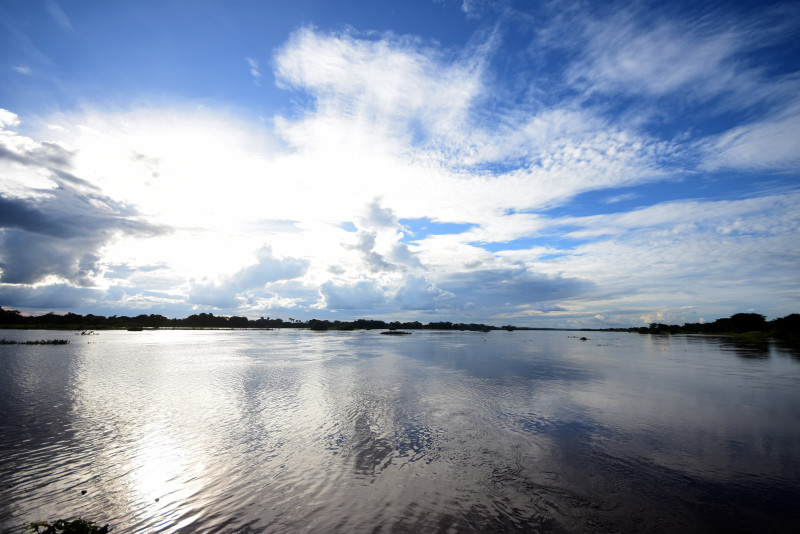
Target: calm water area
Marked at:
290, 430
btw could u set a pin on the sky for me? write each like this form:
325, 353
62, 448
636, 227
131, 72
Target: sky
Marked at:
552, 164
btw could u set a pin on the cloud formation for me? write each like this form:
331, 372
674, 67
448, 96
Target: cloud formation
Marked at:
560, 165
228, 292
56, 231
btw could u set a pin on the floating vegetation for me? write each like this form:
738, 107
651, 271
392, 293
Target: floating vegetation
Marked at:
5, 341
395, 333
76, 526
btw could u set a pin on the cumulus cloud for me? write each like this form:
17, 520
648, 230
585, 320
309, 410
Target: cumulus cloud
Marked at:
374, 261
8, 119
362, 295
227, 292
417, 293
378, 216
397, 128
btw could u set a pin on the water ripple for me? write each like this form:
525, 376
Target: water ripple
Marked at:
349, 432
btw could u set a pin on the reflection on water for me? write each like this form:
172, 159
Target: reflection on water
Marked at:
216, 431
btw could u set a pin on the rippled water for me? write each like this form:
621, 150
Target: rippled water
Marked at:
288, 430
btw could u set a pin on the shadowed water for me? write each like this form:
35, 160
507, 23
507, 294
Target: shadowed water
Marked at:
282, 431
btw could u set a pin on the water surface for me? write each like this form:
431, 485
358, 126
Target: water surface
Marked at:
289, 430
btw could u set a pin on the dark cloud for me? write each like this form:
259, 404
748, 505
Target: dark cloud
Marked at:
49, 297
58, 231
497, 288
120, 270
46, 155
61, 233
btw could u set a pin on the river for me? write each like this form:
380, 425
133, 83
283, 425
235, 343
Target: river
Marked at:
291, 430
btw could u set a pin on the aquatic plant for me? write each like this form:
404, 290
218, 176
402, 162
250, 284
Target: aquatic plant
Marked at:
5, 341
62, 526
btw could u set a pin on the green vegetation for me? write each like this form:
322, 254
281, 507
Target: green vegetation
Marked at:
749, 326
5, 341
73, 321
62, 526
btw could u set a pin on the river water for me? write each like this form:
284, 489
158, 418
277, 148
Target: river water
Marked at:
290, 430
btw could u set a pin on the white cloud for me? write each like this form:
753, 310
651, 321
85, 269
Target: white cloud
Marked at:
771, 143
396, 83
8, 119
763, 215
362, 295
254, 71
58, 15
715, 254
396, 131
626, 54
417, 293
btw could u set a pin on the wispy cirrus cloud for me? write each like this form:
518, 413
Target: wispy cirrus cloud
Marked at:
58, 15
768, 144
700, 54
254, 70
398, 83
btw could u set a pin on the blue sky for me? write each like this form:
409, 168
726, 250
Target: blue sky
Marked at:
557, 164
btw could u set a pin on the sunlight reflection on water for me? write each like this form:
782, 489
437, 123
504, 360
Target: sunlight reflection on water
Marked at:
255, 431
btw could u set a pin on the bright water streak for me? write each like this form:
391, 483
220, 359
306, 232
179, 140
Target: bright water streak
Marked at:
282, 431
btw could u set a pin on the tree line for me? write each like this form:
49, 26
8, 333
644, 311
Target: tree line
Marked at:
740, 323
72, 321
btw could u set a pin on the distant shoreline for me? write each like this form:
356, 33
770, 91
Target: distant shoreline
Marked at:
748, 326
